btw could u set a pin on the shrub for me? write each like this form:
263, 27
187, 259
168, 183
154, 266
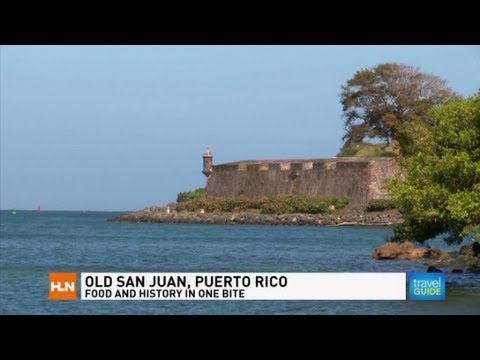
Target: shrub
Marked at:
288, 204
339, 203
380, 205
190, 195
347, 152
279, 204
365, 149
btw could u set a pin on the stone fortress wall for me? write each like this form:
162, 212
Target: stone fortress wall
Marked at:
359, 179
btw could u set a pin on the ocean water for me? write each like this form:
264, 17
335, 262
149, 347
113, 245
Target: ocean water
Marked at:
32, 245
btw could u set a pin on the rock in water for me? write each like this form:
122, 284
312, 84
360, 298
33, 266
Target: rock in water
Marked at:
402, 251
433, 269
476, 248
472, 249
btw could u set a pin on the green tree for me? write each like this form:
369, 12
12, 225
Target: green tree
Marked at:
378, 101
440, 194
190, 195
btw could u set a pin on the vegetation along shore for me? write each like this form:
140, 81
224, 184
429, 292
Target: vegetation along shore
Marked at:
410, 159
344, 217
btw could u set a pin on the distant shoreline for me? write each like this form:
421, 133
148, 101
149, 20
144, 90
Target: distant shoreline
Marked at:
346, 217
59, 210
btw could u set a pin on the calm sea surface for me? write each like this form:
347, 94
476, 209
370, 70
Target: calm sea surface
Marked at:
32, 245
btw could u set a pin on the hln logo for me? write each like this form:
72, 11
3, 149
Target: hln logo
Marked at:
63, 286
427, 286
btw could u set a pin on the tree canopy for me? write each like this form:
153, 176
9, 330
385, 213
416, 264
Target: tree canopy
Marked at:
378, 101
440, 193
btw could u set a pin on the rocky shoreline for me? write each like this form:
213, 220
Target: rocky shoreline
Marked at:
346, 217
467, 258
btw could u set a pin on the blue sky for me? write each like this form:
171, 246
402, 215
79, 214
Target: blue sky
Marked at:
123, 127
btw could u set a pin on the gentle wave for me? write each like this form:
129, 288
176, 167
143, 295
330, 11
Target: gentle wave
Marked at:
32, 245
